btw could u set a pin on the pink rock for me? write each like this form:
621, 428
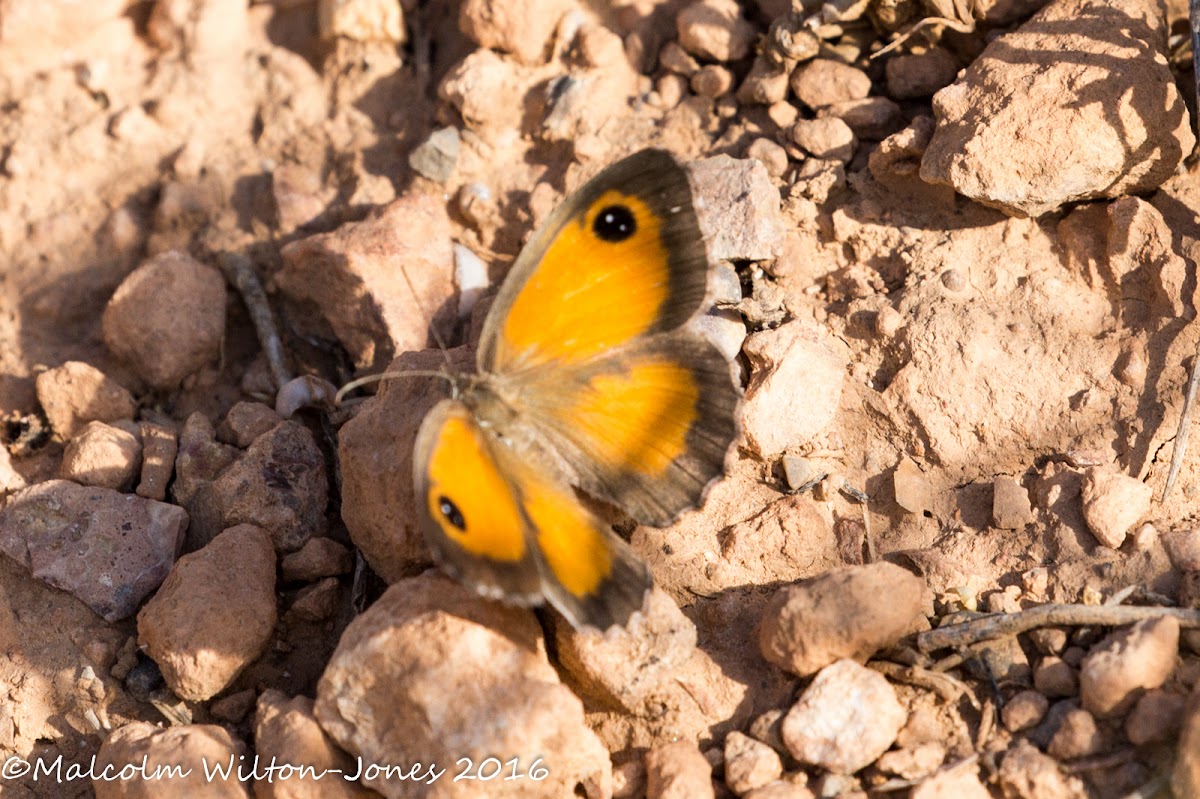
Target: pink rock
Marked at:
189, 748
1075, 152
159, 447
1156, 717
846, 718
1010, 504
523, 28
738, 209
319, 557
838, 615
107, 549
200, 458
952, 784
920, 75
77, 393
315, 602
829, 138
871, 118
245, 422
432, 673
1026, 772
678, 771
1024, 710
1132, 659
167, 318
1113, 503
279, 484
286, 730
214, 613
1077, 736
715, 30
823, 82
103, 456
749, 764
354, 276
797, 372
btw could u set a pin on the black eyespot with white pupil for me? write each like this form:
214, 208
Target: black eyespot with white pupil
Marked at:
451, 513
614, 223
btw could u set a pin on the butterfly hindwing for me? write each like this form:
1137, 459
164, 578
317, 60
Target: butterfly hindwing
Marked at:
622, 258
503, 525
469, 512
646, 428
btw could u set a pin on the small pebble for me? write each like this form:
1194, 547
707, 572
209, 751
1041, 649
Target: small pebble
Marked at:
871, 118
766, 84
828, 138
1132, 659
159, 447
102, 455
1028, 774
888, 322
77, 393
1024, 711
770, 154
920, 75
1049, 641
671, 90
783, 115
315, 602
1156, 717
712, 81
1113, 503
320, 557
674, 58
167, 318
953, 280
749, 764
678, 771
233, 708
811, 624
912, 489
1055, 678
915, 763
213, 614
956, 783
1183, 548
1132, 369
823, 82
846, 718
1077, 736
437, 156
715, 30
245, 422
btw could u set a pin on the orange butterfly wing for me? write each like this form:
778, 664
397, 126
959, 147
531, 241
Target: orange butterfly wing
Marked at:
501, 524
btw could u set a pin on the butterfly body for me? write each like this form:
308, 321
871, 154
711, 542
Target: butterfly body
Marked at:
589, 378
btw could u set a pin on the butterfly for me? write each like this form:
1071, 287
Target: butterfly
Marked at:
589, 378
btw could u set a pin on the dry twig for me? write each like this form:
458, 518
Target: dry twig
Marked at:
1002, 624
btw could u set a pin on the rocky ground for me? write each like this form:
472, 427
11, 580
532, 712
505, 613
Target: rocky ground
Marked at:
960, 242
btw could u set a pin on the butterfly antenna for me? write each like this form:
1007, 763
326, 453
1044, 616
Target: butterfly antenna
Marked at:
446, 373
376, 378
433, 331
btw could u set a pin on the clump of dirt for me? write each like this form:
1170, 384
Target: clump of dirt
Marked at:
954, 260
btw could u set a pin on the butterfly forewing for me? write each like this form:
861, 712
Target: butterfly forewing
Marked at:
621, 259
